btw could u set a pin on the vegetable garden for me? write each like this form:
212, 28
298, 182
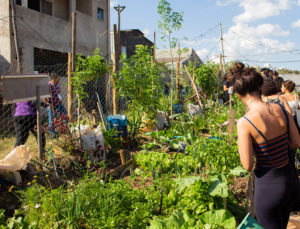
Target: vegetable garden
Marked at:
184, 175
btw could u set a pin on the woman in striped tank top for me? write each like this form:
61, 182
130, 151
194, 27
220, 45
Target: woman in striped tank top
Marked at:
266, 133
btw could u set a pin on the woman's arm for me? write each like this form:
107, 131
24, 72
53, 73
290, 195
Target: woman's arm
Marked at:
245, 144
225, 88
285, 104
294, 138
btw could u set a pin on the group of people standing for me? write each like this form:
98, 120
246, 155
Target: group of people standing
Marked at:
268, 138
25, 116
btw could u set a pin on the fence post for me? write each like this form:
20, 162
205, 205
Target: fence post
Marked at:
70, 88
38, 120
116, 69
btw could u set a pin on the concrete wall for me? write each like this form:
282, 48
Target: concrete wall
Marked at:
43, 31
61, 9
5, 41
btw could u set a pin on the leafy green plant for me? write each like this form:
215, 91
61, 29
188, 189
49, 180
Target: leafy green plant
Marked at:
206, 79
88, 69
139, 82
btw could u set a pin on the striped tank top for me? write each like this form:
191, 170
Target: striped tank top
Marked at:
272, 153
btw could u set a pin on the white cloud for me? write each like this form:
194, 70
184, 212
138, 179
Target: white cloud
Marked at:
260, 9
113, 3
296, 23
146, 32
202, 53
243, 41
259, 31
298, 2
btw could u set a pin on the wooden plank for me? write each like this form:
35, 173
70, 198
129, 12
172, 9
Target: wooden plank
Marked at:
121, 168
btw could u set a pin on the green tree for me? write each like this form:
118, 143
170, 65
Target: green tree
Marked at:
88, 69
139, 81
170, 22
206, 79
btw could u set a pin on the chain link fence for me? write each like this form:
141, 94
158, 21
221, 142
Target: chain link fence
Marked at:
18, 126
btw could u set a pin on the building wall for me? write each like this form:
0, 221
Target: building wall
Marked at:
38, 30
5, 41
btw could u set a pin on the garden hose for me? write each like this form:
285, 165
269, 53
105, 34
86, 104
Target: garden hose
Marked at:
55, 168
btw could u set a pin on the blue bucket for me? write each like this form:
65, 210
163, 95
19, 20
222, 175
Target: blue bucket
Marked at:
119, 122
249, 223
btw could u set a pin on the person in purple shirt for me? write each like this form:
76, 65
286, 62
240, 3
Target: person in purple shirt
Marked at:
55, 107
25, 121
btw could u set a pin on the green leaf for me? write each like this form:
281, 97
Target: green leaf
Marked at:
238, 171
186, 182
218, 186
218, 219
157, 224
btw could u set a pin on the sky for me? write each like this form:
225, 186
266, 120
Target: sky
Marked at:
256, 32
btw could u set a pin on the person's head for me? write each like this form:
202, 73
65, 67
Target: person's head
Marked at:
246, 80
239, 65
264, 72
279, 81
227, 76
288, 86
269, 87
54, 77
275, 74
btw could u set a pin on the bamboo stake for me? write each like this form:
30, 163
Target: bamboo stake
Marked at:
195, 88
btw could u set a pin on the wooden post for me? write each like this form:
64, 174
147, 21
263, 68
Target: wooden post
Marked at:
38, 122
74, 31
70, 88
116, 70
178, 75
222, 48
154, 48
178, 81
15, 32
195, 88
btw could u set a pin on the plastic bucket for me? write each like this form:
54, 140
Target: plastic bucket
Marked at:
249, 223
118, 122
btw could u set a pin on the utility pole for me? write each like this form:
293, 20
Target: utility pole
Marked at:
222, 48
154, 48
117, 40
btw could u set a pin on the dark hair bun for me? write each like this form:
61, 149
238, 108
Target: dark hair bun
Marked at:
245, 80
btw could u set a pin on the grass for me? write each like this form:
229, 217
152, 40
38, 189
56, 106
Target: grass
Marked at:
7, 145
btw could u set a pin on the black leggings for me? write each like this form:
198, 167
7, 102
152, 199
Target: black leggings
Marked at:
24, 124
275, 194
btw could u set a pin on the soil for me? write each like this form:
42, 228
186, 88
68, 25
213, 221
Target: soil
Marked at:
240, 187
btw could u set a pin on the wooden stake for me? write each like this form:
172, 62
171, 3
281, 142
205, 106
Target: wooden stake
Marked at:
101, 116
178, 75
178, 81
38, 122
15, 32
74, 31
116, 68
70, 88
195, 88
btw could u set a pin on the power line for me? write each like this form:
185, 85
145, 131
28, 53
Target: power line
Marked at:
262, 44
259, 61
201, 36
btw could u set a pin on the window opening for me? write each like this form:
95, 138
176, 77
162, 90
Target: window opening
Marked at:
100, 13
34, 5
